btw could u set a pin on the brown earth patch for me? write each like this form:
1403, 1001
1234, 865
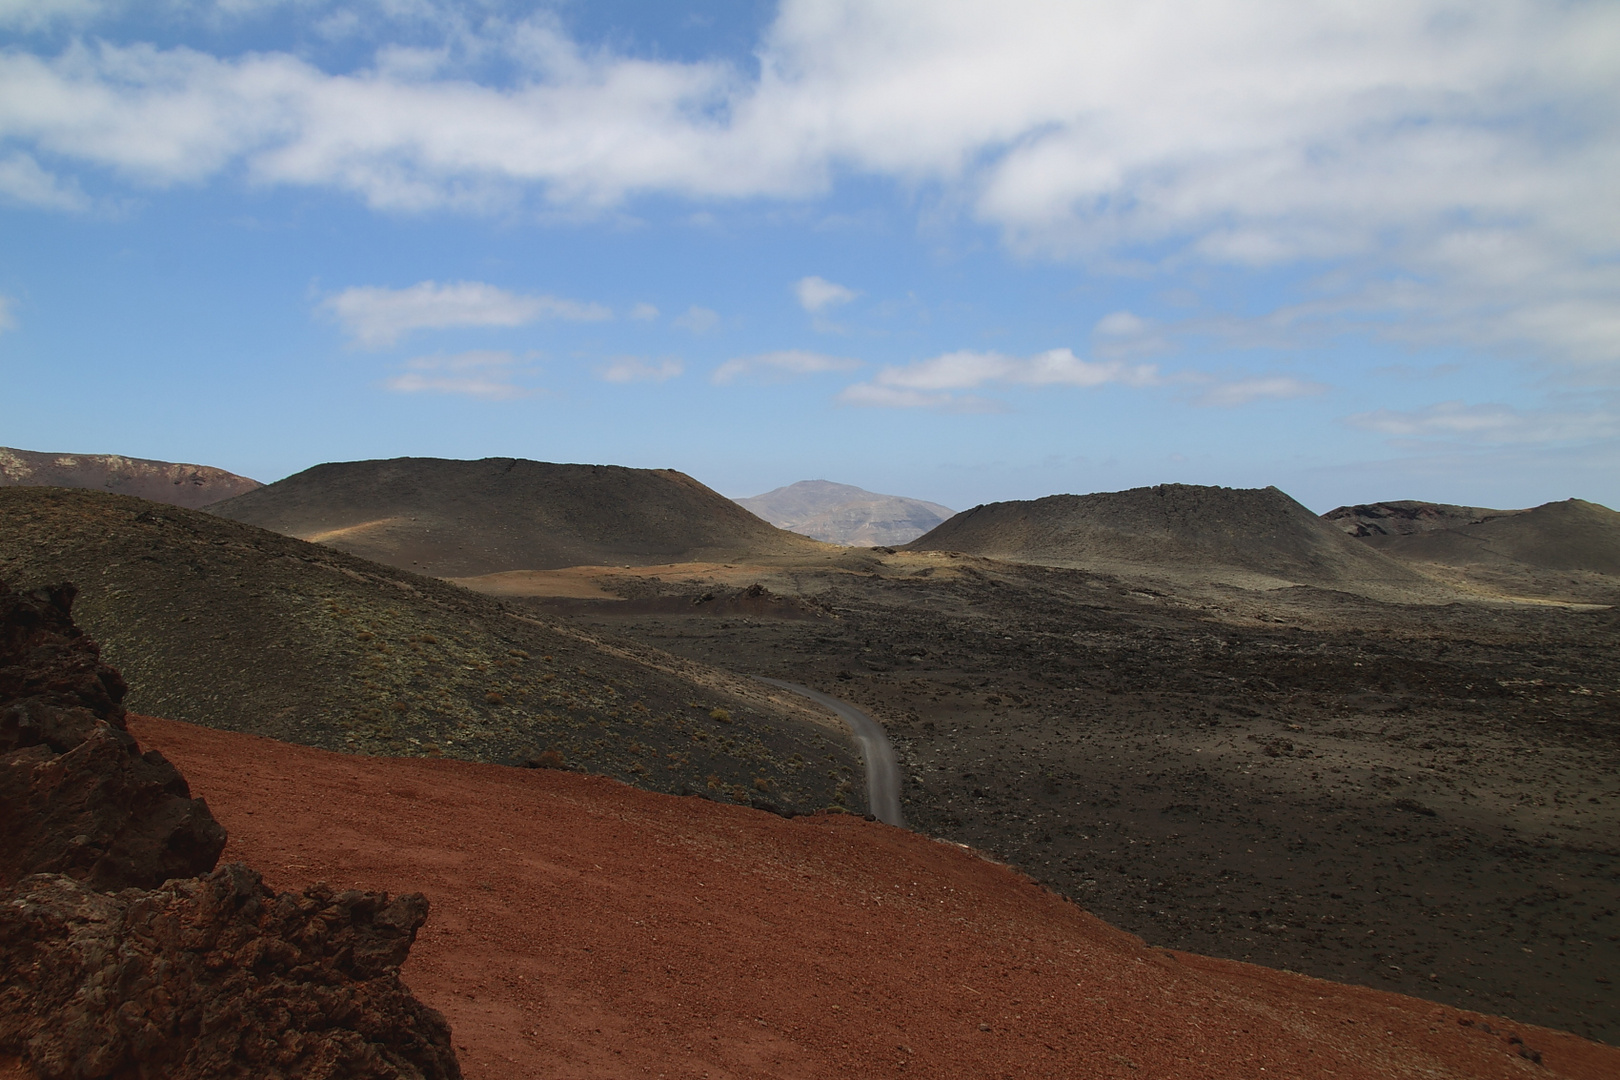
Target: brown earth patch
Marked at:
583, 928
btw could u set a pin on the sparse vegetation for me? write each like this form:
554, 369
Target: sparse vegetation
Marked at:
230, 626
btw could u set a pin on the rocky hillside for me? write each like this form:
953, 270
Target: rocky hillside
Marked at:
468, 518
1565, 551
231, 626
159, 481
1406, 517
1572, 535
843, 514
1180, 529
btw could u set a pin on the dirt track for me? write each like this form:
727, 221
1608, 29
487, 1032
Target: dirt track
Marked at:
582, 928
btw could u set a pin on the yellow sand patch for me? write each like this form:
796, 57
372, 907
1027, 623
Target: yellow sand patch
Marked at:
347, 531
574, 583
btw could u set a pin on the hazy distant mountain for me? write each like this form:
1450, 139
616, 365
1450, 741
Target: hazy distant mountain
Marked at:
160, 481
1187, 529
468, 518
843, 514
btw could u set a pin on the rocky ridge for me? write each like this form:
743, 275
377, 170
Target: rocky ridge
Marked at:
1406, 517
160, 481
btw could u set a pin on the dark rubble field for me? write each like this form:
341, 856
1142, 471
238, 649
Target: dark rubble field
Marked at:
1421, 798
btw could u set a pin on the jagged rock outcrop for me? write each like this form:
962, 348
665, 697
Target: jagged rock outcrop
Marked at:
77, 795
214, 977
117, 959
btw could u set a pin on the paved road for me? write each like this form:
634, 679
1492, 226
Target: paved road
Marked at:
882, 771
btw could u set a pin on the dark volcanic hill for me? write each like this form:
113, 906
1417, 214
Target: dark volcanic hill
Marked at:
1406, 517
467, 518
844, 514
1573, 535
1180, 529
159, 481
231, 626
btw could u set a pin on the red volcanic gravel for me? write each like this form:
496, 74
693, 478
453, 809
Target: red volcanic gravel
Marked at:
582, 928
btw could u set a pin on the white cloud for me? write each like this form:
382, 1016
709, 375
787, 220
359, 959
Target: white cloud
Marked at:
644, 312
482, 373
1257, 388
815, 293
932, 383
1123, 335
1400, 139
877, 395
699, 320
782, 364
377, 317
625, 369
937, 382
1121, 324
22, 180
39, 14
1455, 421
1055, 367
8, 321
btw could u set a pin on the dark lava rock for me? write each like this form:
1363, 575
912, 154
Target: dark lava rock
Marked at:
45, 658
214, 977
116, 959
77, 795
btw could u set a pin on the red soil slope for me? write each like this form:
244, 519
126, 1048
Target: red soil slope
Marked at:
582, 928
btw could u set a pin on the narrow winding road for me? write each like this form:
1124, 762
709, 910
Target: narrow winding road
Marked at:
882, 771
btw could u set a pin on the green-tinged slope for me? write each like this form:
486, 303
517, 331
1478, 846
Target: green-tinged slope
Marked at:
230, 626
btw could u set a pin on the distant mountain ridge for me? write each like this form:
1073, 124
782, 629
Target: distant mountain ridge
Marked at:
845, 514
461, 519
191, 486
1180, 528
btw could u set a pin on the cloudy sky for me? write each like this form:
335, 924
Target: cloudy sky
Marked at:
958, 250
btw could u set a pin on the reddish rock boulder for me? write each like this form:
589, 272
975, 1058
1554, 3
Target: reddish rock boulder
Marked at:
77, 795
214, 977
117, 959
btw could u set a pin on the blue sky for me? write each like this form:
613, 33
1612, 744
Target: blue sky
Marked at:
958, 251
